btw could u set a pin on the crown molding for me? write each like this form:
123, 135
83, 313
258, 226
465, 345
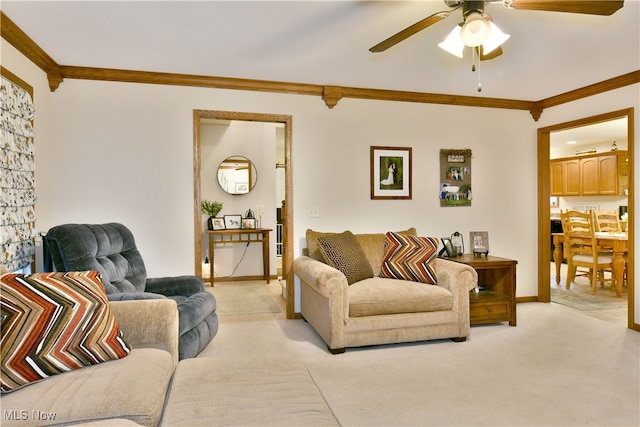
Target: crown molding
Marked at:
330, 94
21, 41
590, 90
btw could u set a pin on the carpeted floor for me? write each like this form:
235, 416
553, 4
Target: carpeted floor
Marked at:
558, 367
248, 301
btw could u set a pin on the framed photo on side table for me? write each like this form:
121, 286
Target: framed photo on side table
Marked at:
479, 242
448, 249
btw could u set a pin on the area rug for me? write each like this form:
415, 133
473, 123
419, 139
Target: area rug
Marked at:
243, 300
585, 302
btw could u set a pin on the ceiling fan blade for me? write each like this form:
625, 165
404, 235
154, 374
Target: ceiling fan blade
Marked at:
589, 7
409, 31
493, 54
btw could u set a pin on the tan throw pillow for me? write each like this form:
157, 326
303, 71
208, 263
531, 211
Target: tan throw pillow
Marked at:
53, 323
312, 243
410, 258
343, 252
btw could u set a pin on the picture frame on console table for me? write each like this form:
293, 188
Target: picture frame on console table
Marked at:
233, 222
248, 223
479, 242
218, 223
390, 173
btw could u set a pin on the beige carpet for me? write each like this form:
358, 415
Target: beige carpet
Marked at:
243, 299
558, 367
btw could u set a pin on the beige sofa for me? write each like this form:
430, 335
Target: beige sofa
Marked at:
381, 310
128, 391
149, 387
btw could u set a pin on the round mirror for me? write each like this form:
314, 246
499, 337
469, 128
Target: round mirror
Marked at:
237, 175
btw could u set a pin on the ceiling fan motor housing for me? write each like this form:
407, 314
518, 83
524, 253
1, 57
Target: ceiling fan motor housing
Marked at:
471, 6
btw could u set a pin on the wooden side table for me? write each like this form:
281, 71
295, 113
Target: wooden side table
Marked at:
496, 302
220, 237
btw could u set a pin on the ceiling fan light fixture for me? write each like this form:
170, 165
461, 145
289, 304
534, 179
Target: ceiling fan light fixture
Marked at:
476, 29
453, 43
495, 40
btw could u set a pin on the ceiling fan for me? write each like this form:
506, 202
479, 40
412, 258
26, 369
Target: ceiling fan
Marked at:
479, 32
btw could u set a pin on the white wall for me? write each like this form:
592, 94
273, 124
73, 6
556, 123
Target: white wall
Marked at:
123, 152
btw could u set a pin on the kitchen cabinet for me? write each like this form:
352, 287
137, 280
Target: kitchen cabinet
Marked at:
565, 177
591, 175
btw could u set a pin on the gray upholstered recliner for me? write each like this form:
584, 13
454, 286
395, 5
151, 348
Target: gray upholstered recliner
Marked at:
111, 250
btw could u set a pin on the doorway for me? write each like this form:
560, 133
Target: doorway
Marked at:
287, 223
544, 203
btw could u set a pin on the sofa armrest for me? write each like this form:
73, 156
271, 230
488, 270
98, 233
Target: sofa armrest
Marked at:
455, 277
324, 299
149, 323
175, 286
134, 296
459, 279
323, 278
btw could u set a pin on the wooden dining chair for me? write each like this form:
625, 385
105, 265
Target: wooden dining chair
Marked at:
607, 221
581, 248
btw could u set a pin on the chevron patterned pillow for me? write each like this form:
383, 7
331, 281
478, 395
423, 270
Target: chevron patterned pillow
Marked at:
409, 257
53, 323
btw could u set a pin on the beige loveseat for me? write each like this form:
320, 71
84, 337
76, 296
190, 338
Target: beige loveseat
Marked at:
381, 310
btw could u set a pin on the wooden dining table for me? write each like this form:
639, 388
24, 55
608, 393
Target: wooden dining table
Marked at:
616, 241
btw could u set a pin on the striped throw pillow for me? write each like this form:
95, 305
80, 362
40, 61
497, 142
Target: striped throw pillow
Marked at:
54, 323
410, 258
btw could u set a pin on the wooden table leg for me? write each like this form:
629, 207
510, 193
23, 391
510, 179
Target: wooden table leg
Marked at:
618, 265
211, 259
265, 256
557, 257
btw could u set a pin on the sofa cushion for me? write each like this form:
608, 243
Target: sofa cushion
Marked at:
378, 296
256, 390
410, 258
53, 323
343, 252
133, 388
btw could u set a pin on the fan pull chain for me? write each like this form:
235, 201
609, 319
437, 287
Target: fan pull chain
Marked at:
473, 67
473, 60
479, 81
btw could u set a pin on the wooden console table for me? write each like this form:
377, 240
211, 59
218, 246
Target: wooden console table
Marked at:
497, 301
241, 236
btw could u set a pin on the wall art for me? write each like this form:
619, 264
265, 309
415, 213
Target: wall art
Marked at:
455, 177
390, 171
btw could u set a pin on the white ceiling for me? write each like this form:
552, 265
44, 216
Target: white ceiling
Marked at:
595, 134
327, 42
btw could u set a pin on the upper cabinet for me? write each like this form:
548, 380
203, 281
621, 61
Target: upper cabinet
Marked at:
590, 175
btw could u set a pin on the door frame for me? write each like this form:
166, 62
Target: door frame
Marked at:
544, 204
287, 121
